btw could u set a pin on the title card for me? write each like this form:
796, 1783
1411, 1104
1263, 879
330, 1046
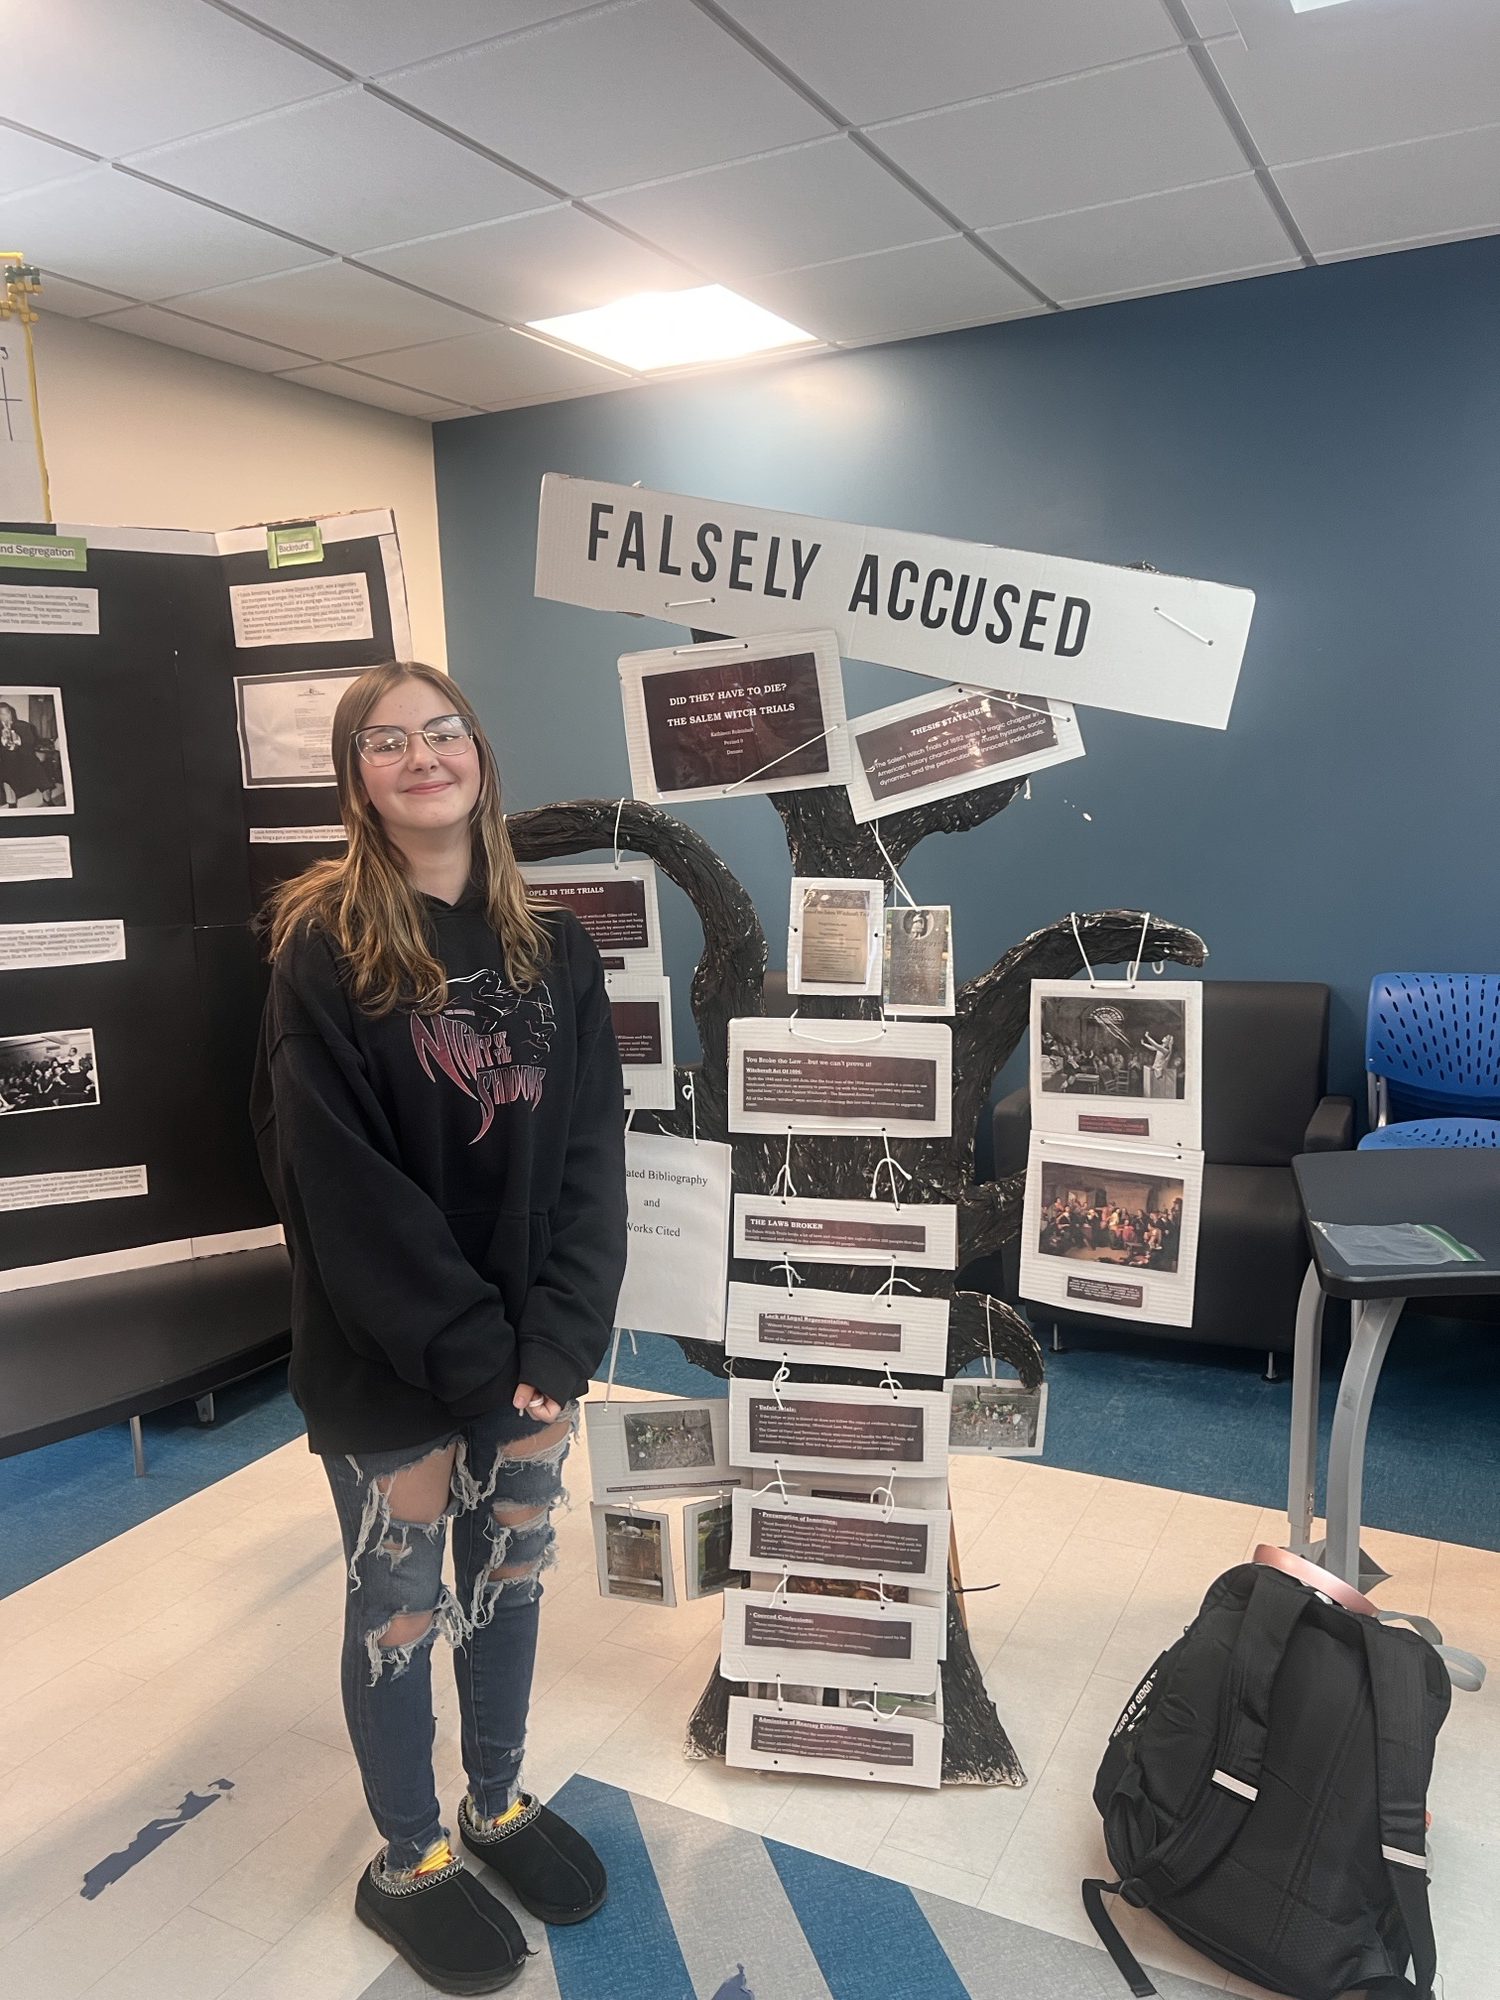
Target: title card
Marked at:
841, 1076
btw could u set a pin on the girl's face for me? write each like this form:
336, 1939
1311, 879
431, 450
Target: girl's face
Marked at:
423, 790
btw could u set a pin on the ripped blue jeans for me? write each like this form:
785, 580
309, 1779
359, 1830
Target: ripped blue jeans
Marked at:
505, 1480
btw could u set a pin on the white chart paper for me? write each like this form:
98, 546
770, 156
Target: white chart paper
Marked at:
839, 1642
305, 611
953, 741
796, 1536
1116, 1059
839, 1077
28, 947
892, 1330
995, 1418
616, 902
838, 1427
286, 724
820, 1230
770, 1735
678, 1248
641, 1008
40, 858
835, 936
1111, 1229
734, 717
657, 1448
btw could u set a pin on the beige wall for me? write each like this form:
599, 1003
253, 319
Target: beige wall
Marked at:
144, 436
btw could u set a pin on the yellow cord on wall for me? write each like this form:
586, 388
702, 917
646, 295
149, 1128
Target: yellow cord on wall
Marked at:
20, 283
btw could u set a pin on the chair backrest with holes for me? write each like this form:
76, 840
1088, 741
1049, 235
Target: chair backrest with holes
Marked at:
1434, 1037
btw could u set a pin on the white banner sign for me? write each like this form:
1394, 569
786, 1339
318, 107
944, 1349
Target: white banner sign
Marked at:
987, 617
677, 1263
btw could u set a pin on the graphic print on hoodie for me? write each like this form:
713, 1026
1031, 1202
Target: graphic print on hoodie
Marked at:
489, 1040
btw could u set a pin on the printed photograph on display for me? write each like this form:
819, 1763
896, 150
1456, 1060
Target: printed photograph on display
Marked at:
52, 1072
997, 1419
633, 1550
768, 1731
837, 1077
640, 1007
615, 901
659, 1448
1109, 1060
814, 1229
952, 741
734, 716
286, 724
36, 775
919, 960
834, 936
665, 1440
1111, 1229
707, 1536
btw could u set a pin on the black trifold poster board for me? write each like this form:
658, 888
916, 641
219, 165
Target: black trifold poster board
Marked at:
163, 706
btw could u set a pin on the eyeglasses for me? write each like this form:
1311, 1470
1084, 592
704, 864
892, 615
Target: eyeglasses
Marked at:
384, 743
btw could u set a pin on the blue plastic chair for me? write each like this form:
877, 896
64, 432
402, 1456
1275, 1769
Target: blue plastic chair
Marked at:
1433, 1132
1432, 1048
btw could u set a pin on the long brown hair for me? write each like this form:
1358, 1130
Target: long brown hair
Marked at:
365, 900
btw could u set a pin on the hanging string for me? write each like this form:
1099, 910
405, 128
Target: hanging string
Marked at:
793, 1275
692, 1097
1134, 973
887, 1497
783, 1374
887, 1290
888, 1381
784, 1186
630, 1120
989, 1337
896, 882
618, 810
614, 1355
750, 775
1078, 940
895, 1168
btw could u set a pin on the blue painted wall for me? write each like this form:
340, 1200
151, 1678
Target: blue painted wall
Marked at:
1330, 438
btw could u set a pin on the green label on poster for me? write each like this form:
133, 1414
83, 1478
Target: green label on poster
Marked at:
287, 547
46, 552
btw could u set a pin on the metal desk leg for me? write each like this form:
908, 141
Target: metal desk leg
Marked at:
1370, 1336
138, 1446
1302, 1465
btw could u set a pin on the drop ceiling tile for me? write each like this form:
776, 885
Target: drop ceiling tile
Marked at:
155, 323
882, 58
1371, 74
778, 212
117, 77
329, 310
345, 171
107, 228
27, 162
1154, 244
486, 370
533, 266
918, 289
614, 96
359, 388
378, 35
1104, 137
1418, 192
62, 295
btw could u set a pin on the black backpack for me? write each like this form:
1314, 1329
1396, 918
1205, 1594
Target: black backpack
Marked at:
1264, 1793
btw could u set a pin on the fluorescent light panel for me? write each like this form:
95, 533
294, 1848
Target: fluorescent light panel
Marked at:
675, 329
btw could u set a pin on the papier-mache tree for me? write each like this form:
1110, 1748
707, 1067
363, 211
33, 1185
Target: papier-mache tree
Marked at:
990, 1017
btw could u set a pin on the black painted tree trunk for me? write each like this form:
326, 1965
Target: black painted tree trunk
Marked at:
990, 1017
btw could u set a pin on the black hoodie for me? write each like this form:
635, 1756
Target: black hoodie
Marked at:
452, 1185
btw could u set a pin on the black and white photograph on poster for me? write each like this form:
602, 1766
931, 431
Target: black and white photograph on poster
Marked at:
994, 1418
1112, 1060
640, 1006
51, 1072
286, 724
818, 1229
843, 1643
615, 901
874, 1543
836, 1077
888, 1330
36, 774
633, 1553
953, 741
838, 1427
834, 936
658, 1448
707, 1536
919, 959
734, 716
1111, 1229
776, 1734
677, 1255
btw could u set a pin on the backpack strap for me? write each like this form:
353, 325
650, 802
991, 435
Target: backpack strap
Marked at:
1126, 1963
1275, 1606
1397, 1693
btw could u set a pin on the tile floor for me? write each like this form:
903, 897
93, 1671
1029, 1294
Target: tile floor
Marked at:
203, 1645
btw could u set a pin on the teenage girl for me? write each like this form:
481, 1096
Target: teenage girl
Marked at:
439, 1111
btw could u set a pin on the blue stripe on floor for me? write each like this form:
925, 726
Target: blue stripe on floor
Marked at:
630, 1950
869, 1935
